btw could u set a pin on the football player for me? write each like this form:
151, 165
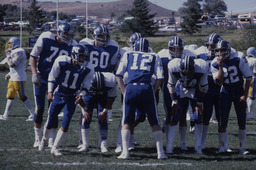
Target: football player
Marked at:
72, 75
139, 93
192, 74
47, 48
175, 50
97, 96
17, 61
212, 97
251, 57
139, 116
104, 56
229, 69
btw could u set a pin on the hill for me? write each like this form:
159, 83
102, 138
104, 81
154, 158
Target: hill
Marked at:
100, 9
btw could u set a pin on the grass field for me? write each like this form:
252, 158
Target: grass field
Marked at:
17, 137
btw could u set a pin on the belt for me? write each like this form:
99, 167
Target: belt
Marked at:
138, 83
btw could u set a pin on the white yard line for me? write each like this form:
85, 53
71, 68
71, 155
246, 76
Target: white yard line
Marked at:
112, 163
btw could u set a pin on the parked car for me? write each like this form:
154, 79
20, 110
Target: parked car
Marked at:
170, 28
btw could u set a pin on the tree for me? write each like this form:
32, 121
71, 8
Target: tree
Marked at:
214, 7
192, 13
142, 21
35, 15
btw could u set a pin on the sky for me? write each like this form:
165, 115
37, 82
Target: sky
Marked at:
234, 6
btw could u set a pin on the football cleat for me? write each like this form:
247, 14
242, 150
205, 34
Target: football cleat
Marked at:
84, 149
2, 117
198, 151
118, 149
123, 156
50, 142
183, 147
42, 145
36, 143
243, 151
162, 156
30, 118
80, 146
169, 149
103, 147
55, 151
251, 116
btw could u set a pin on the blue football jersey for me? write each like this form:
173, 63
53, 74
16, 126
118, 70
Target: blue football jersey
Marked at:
48, 49
203, 53
140, 67
69, 78
235, 70
102, 57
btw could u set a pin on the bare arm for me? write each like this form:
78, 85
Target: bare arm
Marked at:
121, 84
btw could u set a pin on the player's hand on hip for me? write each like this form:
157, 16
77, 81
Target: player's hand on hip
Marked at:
36, 80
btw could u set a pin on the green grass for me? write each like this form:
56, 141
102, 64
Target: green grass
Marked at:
17, 137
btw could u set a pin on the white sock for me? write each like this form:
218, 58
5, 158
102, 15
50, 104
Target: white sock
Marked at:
52, 134
171, 134
125, 140
59, 138
119, 136
183, 133
38, 133
8, 107
29, 107
85, 137
110, 114
249, 102
226, 139
242, 137
204, 134
198, 135
46, 133
221, 137
80, 134
159, 142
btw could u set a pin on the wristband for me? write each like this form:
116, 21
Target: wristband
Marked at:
199, 103
82, 93
174, 102
105, 110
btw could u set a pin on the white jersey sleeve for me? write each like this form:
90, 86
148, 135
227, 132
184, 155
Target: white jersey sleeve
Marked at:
38, 47
115, 57
244, 66
173, 66
122, 68
158, 69
252, 64
110, 79
19, 58
164, 53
